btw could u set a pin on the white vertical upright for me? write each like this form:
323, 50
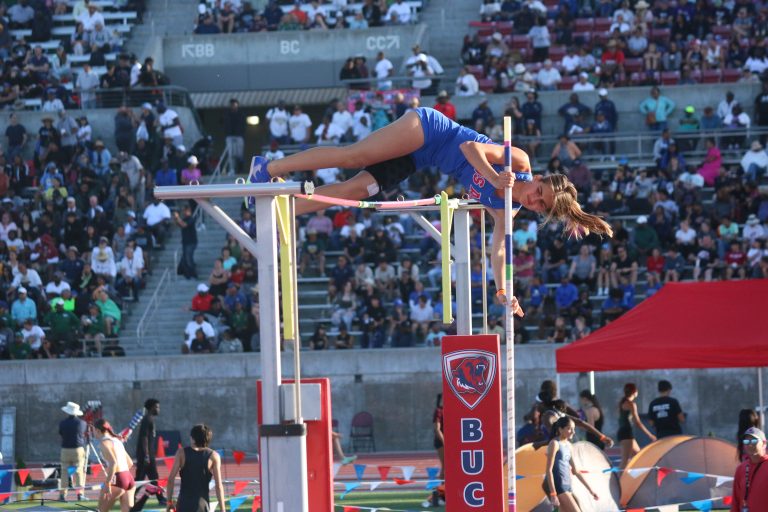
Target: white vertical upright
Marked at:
760, 395
510, 324
461, 256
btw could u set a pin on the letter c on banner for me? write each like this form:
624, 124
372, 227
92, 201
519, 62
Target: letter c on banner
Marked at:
470, 494
471, 430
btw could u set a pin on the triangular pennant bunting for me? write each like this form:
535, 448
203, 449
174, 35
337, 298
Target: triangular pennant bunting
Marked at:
635, 473
4, 472
95, 470
433, 484
163, 482
239, 486
668, 508
336, 468
692, 477
47, 472
234, 503
432, 473
351, 509
359, 471
661, 474
635, 510
4, 497
160, 447
727, 500
168, 462
214, 506
374, 485
71, 470
23, 475
238, 456
611, 470
400, 481
348, 488
407, 471
722, 480
519, 477
703, 505
384, 471
256, 505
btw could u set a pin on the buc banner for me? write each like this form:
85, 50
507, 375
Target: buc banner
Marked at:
472, 424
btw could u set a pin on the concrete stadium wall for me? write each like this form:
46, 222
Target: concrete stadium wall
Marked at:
627, 100
397, 386
274, 60
102, 122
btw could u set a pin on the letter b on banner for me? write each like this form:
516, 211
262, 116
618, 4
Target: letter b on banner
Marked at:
474, 468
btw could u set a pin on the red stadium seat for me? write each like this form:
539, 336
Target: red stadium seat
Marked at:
696, 75
567, 83
724, 31
521, 42
504, 27
602, 24
731, 75
485, 31
635, 79
477, 70
583, 25
633, 65
661, 35
557, 52
710, 76
487, 84
670, 77
584, 37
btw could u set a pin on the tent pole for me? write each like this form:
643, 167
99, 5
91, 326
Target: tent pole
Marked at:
592, 382
760, 396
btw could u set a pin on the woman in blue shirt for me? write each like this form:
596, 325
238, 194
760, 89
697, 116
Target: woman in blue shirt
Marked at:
426, 138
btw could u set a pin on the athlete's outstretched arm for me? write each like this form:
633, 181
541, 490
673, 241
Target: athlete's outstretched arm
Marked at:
482, 156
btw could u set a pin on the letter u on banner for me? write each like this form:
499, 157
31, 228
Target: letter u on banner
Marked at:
472, 423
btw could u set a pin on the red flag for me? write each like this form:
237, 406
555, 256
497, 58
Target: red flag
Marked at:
95, 470
160, 447
661, 474
240, 485
400, 481
163, 482
4, 496
168, 462
383, 471
238, 456
635, 510
351, 509
256, 503
727, 500
23, 474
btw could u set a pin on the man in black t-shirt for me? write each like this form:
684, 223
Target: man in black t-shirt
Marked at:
17, 137
665, 413
146, 448
186, 222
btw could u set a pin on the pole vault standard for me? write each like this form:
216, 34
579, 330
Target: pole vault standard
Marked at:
283, 448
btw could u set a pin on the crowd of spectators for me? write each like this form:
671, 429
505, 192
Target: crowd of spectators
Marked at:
29, 72
231, 16
78, 225
580, 45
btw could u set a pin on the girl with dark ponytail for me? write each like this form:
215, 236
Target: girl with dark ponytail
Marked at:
197, 465
593, 414
118, 480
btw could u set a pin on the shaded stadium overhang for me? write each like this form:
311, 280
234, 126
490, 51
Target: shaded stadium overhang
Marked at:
270, 98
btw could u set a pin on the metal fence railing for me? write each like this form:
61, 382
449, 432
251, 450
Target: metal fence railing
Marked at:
153, 305
170, 95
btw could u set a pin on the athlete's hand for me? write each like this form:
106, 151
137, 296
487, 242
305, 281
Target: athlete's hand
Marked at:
608, 442
504, 179
554, 501
594, 495
516, 309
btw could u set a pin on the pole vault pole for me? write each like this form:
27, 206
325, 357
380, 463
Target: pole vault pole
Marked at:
510, 327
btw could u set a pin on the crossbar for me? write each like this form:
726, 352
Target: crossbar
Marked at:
236, 190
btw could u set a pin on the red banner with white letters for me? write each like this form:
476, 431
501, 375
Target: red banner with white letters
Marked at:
474, 468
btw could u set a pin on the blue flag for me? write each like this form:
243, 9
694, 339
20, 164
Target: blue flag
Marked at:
234, 503
432, 484
71, 470
359, 470
348, 488
703, 505
432, 473
692, 477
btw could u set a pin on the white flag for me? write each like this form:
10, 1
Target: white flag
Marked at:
668, 508
723, 480
374, 485
47, 472
634, 473
408, 471
336, 467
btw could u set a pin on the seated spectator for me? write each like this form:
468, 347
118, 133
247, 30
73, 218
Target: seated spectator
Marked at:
21, 15
735, 261
158, 218
27, 278
623, 266
200, 344
434, 337
103, 260
130, 274
713, 161
64, 329
319, 340
208, 26
613, 306
466, 83
565, 294
583, 268
637, 44
736, 120
421, 315
312, 253
707, 264
398, 13
753, 230
33, 335
344, 340
583, 83
566, 151
109, 310
229, 343
197, 324
548, 77
560, 332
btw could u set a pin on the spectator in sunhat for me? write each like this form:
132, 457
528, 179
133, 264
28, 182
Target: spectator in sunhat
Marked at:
72, 431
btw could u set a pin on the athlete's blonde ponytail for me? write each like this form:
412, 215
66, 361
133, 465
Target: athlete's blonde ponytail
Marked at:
566, 209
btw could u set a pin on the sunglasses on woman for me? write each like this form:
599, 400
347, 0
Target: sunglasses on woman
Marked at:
749, 440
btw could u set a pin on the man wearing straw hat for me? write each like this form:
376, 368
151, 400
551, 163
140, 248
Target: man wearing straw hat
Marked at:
72, 431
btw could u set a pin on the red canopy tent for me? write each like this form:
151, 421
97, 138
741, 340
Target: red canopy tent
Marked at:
684, 325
